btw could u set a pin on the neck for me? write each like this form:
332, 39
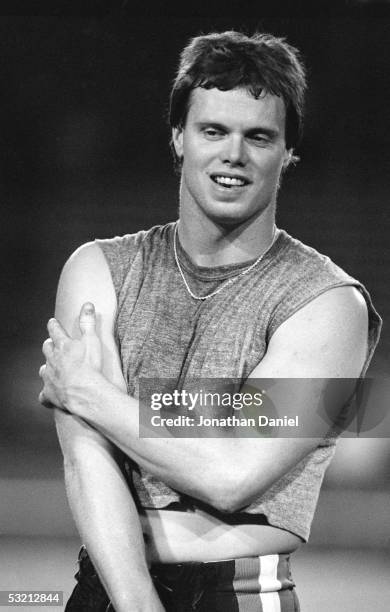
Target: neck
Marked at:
210, 243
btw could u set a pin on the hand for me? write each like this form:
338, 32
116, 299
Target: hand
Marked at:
72, 365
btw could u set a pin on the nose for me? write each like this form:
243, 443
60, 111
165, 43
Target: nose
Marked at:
234, 151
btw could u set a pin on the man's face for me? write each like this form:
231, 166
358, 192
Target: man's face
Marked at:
233, 150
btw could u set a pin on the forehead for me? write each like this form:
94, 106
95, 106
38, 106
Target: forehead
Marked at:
236, 108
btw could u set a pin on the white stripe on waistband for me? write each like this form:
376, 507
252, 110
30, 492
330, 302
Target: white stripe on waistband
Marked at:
268, 577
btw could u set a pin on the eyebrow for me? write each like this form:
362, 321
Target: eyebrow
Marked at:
270, 132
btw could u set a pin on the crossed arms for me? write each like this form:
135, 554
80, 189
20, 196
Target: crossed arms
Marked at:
327, 338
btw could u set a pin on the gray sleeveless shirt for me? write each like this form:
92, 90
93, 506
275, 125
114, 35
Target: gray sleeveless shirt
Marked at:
163, 332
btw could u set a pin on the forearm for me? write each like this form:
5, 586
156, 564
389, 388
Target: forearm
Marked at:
108, 523
169, 459
224, 472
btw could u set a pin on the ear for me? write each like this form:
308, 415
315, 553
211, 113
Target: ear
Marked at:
288, 158
177, 141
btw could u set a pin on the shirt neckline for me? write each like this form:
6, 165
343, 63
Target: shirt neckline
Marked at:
210, 273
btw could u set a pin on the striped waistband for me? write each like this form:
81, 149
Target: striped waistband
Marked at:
250, 584
263, 574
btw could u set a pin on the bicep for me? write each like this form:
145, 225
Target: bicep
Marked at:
86, 278
326, 339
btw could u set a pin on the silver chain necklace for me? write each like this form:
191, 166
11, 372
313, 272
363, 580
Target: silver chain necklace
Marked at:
229, 280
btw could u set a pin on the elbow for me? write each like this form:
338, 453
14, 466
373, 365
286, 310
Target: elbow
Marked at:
226, 505
229, 502
230, 495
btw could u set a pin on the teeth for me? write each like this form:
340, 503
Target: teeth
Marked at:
227, 180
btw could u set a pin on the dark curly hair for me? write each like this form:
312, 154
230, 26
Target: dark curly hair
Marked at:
230, 59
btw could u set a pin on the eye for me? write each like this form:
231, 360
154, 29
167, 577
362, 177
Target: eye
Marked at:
259, 139
212, 133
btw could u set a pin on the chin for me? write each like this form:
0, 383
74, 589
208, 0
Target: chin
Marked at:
227, 219
228, 214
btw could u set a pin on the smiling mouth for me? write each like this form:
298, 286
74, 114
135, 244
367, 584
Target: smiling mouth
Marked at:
229, 181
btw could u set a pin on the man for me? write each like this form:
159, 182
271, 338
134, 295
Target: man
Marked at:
220, 293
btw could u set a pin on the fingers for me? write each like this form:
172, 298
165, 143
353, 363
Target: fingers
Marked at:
87, 319
47, 397
42, 397
44, 401
47, 348
56, 332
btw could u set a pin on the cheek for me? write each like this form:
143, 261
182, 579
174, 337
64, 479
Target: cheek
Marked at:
192, 177
194, 164
270, 168
194, 158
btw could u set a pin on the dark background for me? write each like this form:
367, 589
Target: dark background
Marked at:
85, 154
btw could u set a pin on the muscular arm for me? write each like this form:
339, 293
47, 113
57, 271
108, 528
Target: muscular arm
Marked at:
99, 498
325, 339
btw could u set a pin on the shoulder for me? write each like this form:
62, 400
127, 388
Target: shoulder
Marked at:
86, 268
87, 254
102, 260
85, 278
300, 262
301, 275
335, 311
326, 337
96, 271
124, 248
125, 253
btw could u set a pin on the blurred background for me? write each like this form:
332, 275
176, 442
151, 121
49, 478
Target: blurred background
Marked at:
84, 154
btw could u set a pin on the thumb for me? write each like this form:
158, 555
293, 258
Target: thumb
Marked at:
87, 319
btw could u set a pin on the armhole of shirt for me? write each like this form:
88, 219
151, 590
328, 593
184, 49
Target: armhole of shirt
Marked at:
120, 253
287, 308
110, 248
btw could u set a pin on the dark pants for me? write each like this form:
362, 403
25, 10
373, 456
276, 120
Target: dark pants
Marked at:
252, 584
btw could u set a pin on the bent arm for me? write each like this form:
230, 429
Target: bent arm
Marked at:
100, 500
325, 339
